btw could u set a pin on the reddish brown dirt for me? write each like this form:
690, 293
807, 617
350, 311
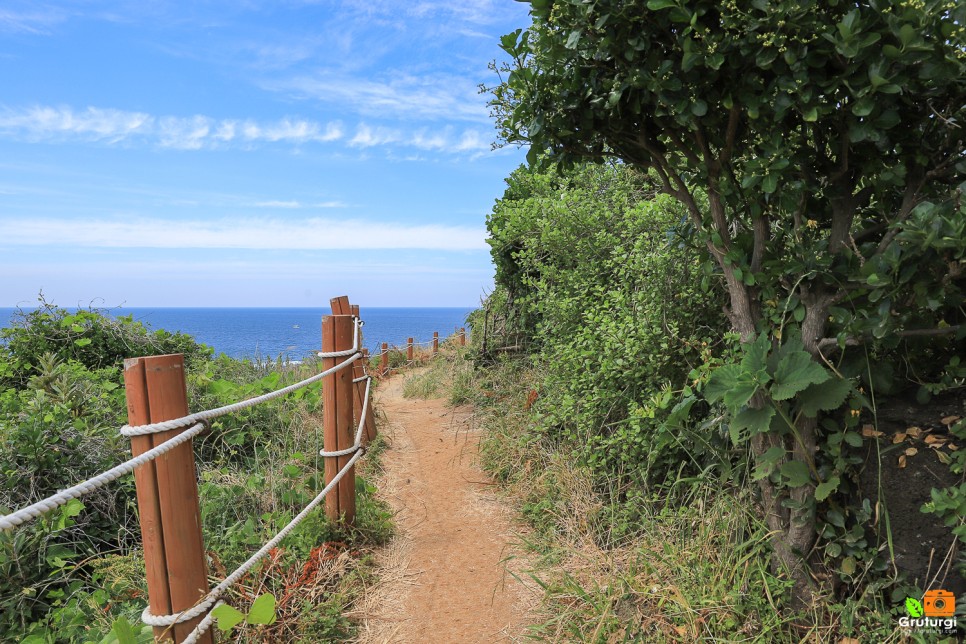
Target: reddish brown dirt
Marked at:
444, 578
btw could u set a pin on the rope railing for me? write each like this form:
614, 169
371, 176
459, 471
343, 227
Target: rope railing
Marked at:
192, 425
208, 601
196, 423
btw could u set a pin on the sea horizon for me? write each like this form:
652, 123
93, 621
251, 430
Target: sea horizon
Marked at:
292, 333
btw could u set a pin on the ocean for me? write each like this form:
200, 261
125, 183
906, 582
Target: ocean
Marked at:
292, 333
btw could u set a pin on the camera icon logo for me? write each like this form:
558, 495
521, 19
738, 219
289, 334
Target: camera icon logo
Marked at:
939, 603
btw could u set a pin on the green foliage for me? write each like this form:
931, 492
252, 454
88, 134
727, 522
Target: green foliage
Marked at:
90, 337
600, 275
262, 611
950, 503
76, 574
816, 150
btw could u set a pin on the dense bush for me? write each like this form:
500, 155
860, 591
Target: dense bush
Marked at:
89, 337
69, 574
597, 270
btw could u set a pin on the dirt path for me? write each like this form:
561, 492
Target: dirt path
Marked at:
443, 579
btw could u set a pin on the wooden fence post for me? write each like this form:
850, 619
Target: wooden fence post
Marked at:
337, 406
340, 305
462, 336
167, 493
384, 359
409, 350
370, 432
435, 342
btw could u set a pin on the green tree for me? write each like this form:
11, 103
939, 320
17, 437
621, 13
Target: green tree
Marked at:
826, 140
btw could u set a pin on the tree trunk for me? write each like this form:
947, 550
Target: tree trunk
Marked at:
792, 529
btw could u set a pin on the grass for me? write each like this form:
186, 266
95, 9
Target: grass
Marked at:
685, 563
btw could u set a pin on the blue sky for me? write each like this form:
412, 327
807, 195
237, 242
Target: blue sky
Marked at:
248, 153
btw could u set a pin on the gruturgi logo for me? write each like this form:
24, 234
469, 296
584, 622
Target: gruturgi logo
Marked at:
936, 612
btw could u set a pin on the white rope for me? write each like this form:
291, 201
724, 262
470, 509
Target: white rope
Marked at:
56, 500
209, 600
202, 626
357, 443
153, 428
209, 414
197, 423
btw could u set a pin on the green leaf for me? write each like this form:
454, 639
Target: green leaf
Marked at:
825, 488
262, 610
770, 183
848, 565
756, 420
755, 354
796, 473
767, 462
227, 617
913, 607
657, 5
721, 382
123, 631
699, 108
824, 396
72, 508
573, 39
795, 373
83, 342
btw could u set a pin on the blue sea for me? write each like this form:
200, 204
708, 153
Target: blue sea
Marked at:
292, 333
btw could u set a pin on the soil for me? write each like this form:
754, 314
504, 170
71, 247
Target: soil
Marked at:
445, 576
925, 549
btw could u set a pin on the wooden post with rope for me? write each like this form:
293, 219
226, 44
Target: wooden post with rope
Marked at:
409, 350
384, 360
435, 342
167, 494
370, 432
462, 336
337, 409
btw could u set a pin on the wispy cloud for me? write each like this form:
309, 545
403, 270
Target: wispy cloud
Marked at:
367, 137
307, 234
294, 204
112, 126
405, 97
37, 20
184, 133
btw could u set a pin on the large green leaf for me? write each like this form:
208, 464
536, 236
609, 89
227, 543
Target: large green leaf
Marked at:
795, 373
262, 610
723, 380
796, 473
227, 617
767, 462
825, 488
755, 420
755, 354
824, 396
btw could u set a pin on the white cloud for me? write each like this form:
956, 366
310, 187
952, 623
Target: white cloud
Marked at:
35, 21
93, 123
40, 123
404, 97
367, 136
112, 126
472, 141
306, 234
295, 204
278, 204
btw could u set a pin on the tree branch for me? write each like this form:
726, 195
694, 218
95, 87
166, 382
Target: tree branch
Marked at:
852, 341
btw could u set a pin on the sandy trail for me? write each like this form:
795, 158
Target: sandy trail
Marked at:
443, 578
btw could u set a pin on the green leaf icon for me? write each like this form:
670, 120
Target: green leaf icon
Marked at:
913, 607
